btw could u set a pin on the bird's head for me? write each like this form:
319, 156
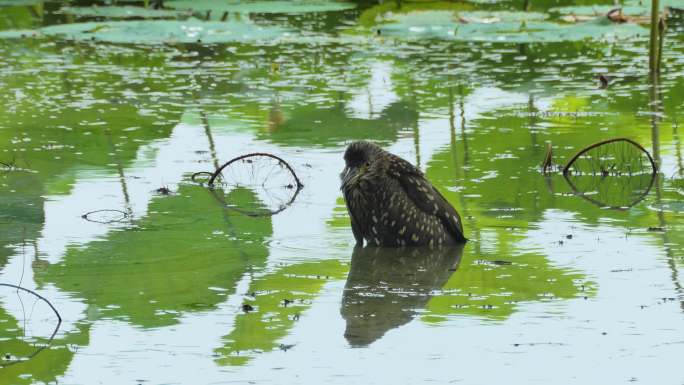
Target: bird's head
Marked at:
358, 158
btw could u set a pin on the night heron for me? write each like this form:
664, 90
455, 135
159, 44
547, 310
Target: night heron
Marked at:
392, 204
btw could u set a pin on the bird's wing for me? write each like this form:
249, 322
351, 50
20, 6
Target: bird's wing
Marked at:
426, 197
356, 229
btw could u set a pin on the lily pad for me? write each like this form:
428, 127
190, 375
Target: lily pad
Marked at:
600, 10
17, 33
125, 12
502, 16
18, 3
420, 26
297, 6
676, 4
165, 31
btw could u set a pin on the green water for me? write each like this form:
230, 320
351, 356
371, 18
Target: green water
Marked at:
554, 287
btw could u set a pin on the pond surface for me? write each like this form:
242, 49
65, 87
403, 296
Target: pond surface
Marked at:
179, 284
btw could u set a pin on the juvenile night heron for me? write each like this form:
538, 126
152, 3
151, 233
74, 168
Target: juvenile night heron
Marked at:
392, 204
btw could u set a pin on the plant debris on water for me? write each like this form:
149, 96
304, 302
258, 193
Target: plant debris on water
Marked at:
267, 175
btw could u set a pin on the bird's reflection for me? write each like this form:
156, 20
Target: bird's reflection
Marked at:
386, 287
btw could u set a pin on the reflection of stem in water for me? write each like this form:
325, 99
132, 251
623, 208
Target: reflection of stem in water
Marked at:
370, 103
119, 169
464, 138
464, 169
532, 113
36, 12
452, 136
655, 137
210, 138
452, 128
678, 149
21, 278
416, 143
416, 130
275, 114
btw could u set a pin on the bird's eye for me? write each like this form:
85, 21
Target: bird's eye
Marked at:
367, 164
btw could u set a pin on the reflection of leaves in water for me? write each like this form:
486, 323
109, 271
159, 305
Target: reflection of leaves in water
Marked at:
387, 287
39, 320
21, 214
312, 126
152, 273
45, 367
279, 299
612, 191
486, 287
616, 173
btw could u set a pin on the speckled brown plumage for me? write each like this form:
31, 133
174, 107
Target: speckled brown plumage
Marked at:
392, 204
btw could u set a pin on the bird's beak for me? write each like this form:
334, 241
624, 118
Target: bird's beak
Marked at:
348, 174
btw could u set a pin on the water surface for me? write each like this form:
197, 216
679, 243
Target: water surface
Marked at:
553, 287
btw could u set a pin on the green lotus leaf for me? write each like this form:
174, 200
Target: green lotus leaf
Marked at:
297, 6
419, 27
18, 3
389, 10
18, 33
677, 4
165, 31
125, 12
600, 10
502, 16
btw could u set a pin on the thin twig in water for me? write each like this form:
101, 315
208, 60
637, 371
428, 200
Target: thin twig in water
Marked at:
287, 165
194, 176
654, 167
124, 215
